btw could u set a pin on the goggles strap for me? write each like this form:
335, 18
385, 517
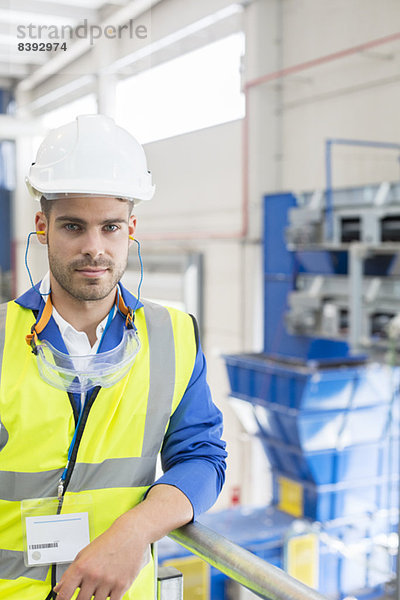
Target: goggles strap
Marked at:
125, 310
32, 337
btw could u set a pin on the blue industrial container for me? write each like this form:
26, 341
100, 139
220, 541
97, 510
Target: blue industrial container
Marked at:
336, 500
349, 464
262, 379
333, 431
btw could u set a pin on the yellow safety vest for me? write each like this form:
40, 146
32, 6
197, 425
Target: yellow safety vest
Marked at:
117, 451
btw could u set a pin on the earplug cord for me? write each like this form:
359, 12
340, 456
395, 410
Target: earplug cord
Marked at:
141, 270
26, 261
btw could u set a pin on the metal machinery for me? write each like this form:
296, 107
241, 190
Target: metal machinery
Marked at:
323, 398
356, 295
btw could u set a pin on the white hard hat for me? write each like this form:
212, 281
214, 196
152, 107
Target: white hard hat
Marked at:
91, 155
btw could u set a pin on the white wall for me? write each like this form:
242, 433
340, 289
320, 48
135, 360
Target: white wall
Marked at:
353, 97
198, 182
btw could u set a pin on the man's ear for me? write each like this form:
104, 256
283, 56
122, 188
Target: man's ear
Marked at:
132, 226
41, 227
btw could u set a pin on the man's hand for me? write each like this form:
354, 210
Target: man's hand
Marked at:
107, 567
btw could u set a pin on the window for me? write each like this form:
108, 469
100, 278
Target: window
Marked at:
193, 91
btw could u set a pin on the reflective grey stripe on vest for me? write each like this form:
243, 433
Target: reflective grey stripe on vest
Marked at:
20, 486
137, 472
3, 436
114, 472
162, 376
12, 566
3, 315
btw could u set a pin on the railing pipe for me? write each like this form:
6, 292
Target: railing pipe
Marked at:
249, 570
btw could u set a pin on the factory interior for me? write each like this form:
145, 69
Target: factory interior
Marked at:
272, 132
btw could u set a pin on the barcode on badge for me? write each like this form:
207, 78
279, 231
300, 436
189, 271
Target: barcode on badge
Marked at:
41, 546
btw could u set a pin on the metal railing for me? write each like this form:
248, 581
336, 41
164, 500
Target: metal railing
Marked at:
242, 566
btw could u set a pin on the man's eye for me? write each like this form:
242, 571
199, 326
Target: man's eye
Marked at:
111, 227
72, 227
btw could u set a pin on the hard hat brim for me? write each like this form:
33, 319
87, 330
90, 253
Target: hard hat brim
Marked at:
63, 191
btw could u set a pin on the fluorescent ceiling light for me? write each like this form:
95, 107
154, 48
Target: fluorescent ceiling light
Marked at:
178, 35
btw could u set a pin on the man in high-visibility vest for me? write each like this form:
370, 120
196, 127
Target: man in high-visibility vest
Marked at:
96, 384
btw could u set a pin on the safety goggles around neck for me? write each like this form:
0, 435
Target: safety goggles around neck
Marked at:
78, 374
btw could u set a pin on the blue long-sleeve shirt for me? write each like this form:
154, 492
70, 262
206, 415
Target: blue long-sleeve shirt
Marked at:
193, 454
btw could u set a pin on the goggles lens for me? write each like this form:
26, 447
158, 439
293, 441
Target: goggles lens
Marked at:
78, 374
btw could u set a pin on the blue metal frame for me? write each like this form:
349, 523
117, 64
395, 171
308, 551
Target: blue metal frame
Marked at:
281, 267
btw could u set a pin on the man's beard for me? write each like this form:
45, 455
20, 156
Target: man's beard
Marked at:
92, 288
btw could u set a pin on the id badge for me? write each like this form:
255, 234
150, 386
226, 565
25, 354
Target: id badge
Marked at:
52, 535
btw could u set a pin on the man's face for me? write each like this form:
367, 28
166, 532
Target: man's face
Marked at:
88, 243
